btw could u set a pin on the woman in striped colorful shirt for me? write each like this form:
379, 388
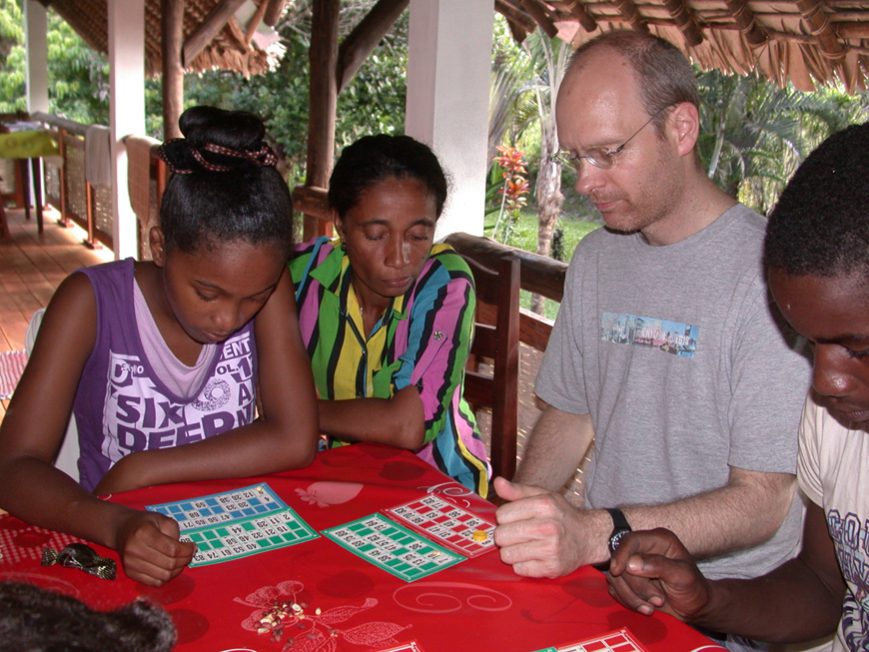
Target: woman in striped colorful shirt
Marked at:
387, 316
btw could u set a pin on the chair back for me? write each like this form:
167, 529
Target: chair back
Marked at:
496, 345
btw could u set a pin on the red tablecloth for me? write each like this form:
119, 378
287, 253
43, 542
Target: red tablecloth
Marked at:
479, 604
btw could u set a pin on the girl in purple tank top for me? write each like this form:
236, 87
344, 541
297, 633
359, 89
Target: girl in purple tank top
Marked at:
176, 369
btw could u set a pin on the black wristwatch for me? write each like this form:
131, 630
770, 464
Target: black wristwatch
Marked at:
621, 527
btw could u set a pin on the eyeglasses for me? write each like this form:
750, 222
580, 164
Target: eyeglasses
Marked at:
600, 157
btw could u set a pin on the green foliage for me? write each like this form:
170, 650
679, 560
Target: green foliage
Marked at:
11, 26
525, 232
78, 76
12, 96
373, 102
11, 57
524, 237
754, 134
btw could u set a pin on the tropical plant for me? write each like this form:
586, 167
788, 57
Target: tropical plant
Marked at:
12, 97
514, 190
524, 89
78, 76
373, 102
754, 134
79, 88
555, 55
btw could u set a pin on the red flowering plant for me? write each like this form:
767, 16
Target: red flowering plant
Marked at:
513, 191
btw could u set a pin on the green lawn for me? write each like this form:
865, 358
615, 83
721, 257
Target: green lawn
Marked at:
525, 237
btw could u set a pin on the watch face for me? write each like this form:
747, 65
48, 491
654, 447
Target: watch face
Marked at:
616, 538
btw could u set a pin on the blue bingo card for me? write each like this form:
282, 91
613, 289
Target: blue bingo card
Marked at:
237, 523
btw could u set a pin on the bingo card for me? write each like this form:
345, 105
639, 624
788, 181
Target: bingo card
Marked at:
618, 641
237, 523
392, 547
447, 524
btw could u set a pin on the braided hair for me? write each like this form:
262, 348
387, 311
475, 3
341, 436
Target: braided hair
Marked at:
224, 185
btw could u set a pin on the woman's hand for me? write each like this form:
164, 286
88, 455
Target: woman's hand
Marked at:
149, 548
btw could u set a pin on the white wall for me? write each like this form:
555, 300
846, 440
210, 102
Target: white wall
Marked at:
449, 64
35, 28
126, 109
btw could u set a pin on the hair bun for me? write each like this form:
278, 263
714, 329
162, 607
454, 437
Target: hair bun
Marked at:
217, 141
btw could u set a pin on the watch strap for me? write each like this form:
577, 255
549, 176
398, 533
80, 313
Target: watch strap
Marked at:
620, 521
621, 528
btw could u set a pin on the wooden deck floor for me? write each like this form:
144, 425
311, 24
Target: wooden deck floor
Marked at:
31, 268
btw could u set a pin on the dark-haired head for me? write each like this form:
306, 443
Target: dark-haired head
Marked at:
225, 186
374, 158
820, 226
32, 618
664, 76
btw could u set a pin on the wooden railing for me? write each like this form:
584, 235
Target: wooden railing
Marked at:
66, 187
90, 207
539, 274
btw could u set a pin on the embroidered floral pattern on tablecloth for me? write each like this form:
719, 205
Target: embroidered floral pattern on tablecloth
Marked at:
279, 615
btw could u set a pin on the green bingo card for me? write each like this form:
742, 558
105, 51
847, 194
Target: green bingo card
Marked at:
237, 523
392, 547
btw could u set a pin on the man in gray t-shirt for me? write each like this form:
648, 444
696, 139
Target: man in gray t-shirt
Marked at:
666, 353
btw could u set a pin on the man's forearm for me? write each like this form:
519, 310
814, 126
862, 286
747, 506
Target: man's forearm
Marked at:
555, 448
788, 605
744, 513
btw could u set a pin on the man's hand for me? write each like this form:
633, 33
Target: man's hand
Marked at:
150, 550
653, 570
541, 535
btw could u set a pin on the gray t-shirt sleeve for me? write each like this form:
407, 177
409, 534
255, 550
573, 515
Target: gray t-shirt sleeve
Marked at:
560, 380
768, 383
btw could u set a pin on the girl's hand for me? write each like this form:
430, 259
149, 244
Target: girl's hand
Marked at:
150, 550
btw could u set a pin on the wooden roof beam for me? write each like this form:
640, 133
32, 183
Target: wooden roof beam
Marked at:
209, 28
632, 15
538, 13
752, 30
172, 27
514, 12
852, 30
684, 19
578, 11
359, 43
254, 22
274, 9
520, 23
235, 32
819, 25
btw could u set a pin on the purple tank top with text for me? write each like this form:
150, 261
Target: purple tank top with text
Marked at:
122, 407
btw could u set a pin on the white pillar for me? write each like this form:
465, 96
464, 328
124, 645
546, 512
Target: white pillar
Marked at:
35, 26
126, 109
449, 66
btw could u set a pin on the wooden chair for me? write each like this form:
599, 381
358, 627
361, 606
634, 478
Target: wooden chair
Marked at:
496, 345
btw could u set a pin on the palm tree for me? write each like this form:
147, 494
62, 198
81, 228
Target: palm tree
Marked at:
754, 134
523, 91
